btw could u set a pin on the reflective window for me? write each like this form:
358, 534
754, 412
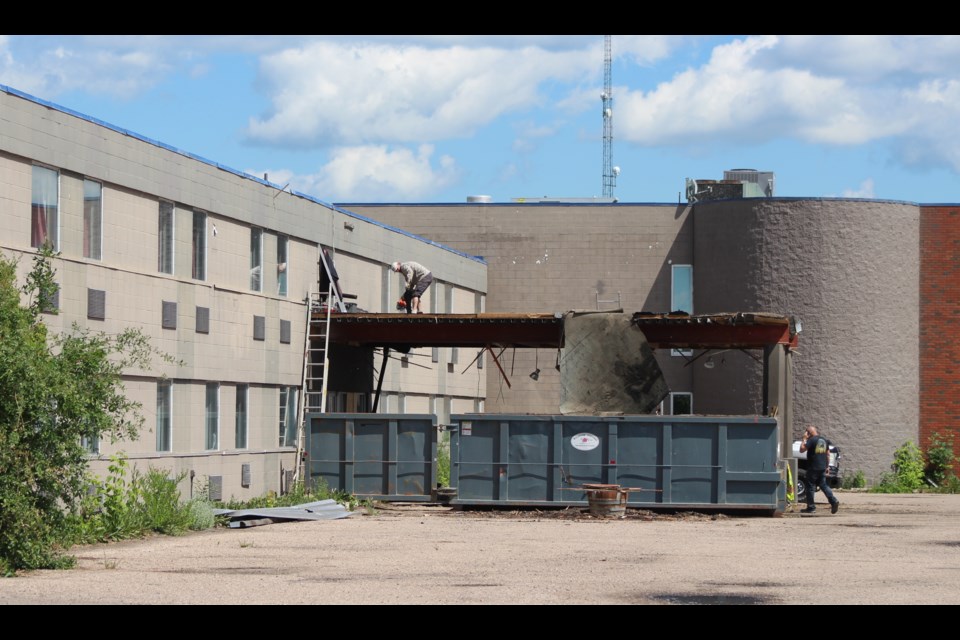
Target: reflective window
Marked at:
165, 247
44, 209
92, 219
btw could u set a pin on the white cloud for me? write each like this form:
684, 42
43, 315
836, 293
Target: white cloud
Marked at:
869, 58
865, 190
47, 66
373, 173
813, 89
329, 93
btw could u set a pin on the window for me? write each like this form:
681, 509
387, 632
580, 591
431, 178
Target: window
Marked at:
213, 415
165, 248
681, 404
681, 296
288, 416
92, 219
199, 270
281, 265
241, 417
256, 259
91, 445
164, 414
44, 209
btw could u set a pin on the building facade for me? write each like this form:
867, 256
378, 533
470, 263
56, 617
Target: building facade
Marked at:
874, 284
216, 267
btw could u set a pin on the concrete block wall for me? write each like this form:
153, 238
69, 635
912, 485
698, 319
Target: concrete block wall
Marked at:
546, 258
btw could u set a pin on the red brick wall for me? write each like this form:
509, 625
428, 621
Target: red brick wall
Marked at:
940, 323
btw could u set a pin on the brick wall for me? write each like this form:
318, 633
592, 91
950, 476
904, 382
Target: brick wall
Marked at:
940, 323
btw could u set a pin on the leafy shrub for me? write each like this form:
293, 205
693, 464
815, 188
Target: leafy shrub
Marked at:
56, 391
940, 459
299, 493
200, 515
856, 481
907, 471
443, 461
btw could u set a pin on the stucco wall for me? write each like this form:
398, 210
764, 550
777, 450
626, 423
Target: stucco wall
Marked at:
849, 269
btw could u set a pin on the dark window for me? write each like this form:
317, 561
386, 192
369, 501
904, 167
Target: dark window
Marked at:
203, 319
96, 304
285, 331
169, 315
259, 328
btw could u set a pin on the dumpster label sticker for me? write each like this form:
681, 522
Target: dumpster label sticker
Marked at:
466, 428
585, 441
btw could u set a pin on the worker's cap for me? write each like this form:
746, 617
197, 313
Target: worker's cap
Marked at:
395, 266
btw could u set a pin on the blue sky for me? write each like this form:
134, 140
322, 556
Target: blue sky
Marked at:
440, 118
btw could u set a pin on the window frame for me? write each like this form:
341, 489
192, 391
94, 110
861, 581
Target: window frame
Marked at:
211, 416
198, 254
241, 417
165, 431
88, 236
161, 235
48, 228
283, 260
677, 394
288, 407
675, 304
256, 259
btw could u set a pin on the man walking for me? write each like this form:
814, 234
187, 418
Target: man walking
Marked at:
818, 455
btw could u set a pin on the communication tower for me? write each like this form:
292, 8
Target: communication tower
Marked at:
610, 172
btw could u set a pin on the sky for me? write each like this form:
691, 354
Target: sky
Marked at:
432, 118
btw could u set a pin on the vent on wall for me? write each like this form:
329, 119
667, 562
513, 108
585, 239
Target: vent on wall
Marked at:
285, 331
215, 487
169, 315
203, 319
245, 474
96, 304
259, 327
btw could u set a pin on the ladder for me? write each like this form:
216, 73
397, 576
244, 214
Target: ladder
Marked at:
313, 381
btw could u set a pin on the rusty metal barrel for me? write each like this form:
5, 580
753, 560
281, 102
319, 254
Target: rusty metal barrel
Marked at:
606, 500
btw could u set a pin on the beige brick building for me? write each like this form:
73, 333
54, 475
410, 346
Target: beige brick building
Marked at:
216, 267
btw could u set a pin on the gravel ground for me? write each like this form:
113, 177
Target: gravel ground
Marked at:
879, 549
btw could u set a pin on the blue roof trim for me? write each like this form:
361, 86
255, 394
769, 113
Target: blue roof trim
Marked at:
505, 204
240, 174
814, 198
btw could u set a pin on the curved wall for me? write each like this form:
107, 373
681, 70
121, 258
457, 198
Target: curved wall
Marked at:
849, 270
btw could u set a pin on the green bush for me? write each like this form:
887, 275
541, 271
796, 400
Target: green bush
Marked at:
200, 515
940, 459
443, 461
907, 471
299, 493
856, 481
56, 391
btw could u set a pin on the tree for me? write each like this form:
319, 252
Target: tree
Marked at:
56, 391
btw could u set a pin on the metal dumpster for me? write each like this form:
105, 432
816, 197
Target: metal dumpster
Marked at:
666, 462
374, 456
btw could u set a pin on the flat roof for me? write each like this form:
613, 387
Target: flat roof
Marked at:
739, 330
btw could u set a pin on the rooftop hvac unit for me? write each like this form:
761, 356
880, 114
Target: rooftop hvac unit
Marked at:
764, 179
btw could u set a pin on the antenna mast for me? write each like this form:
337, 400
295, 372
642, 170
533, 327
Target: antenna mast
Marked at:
609, 172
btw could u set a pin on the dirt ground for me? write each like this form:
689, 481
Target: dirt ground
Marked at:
879, 549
